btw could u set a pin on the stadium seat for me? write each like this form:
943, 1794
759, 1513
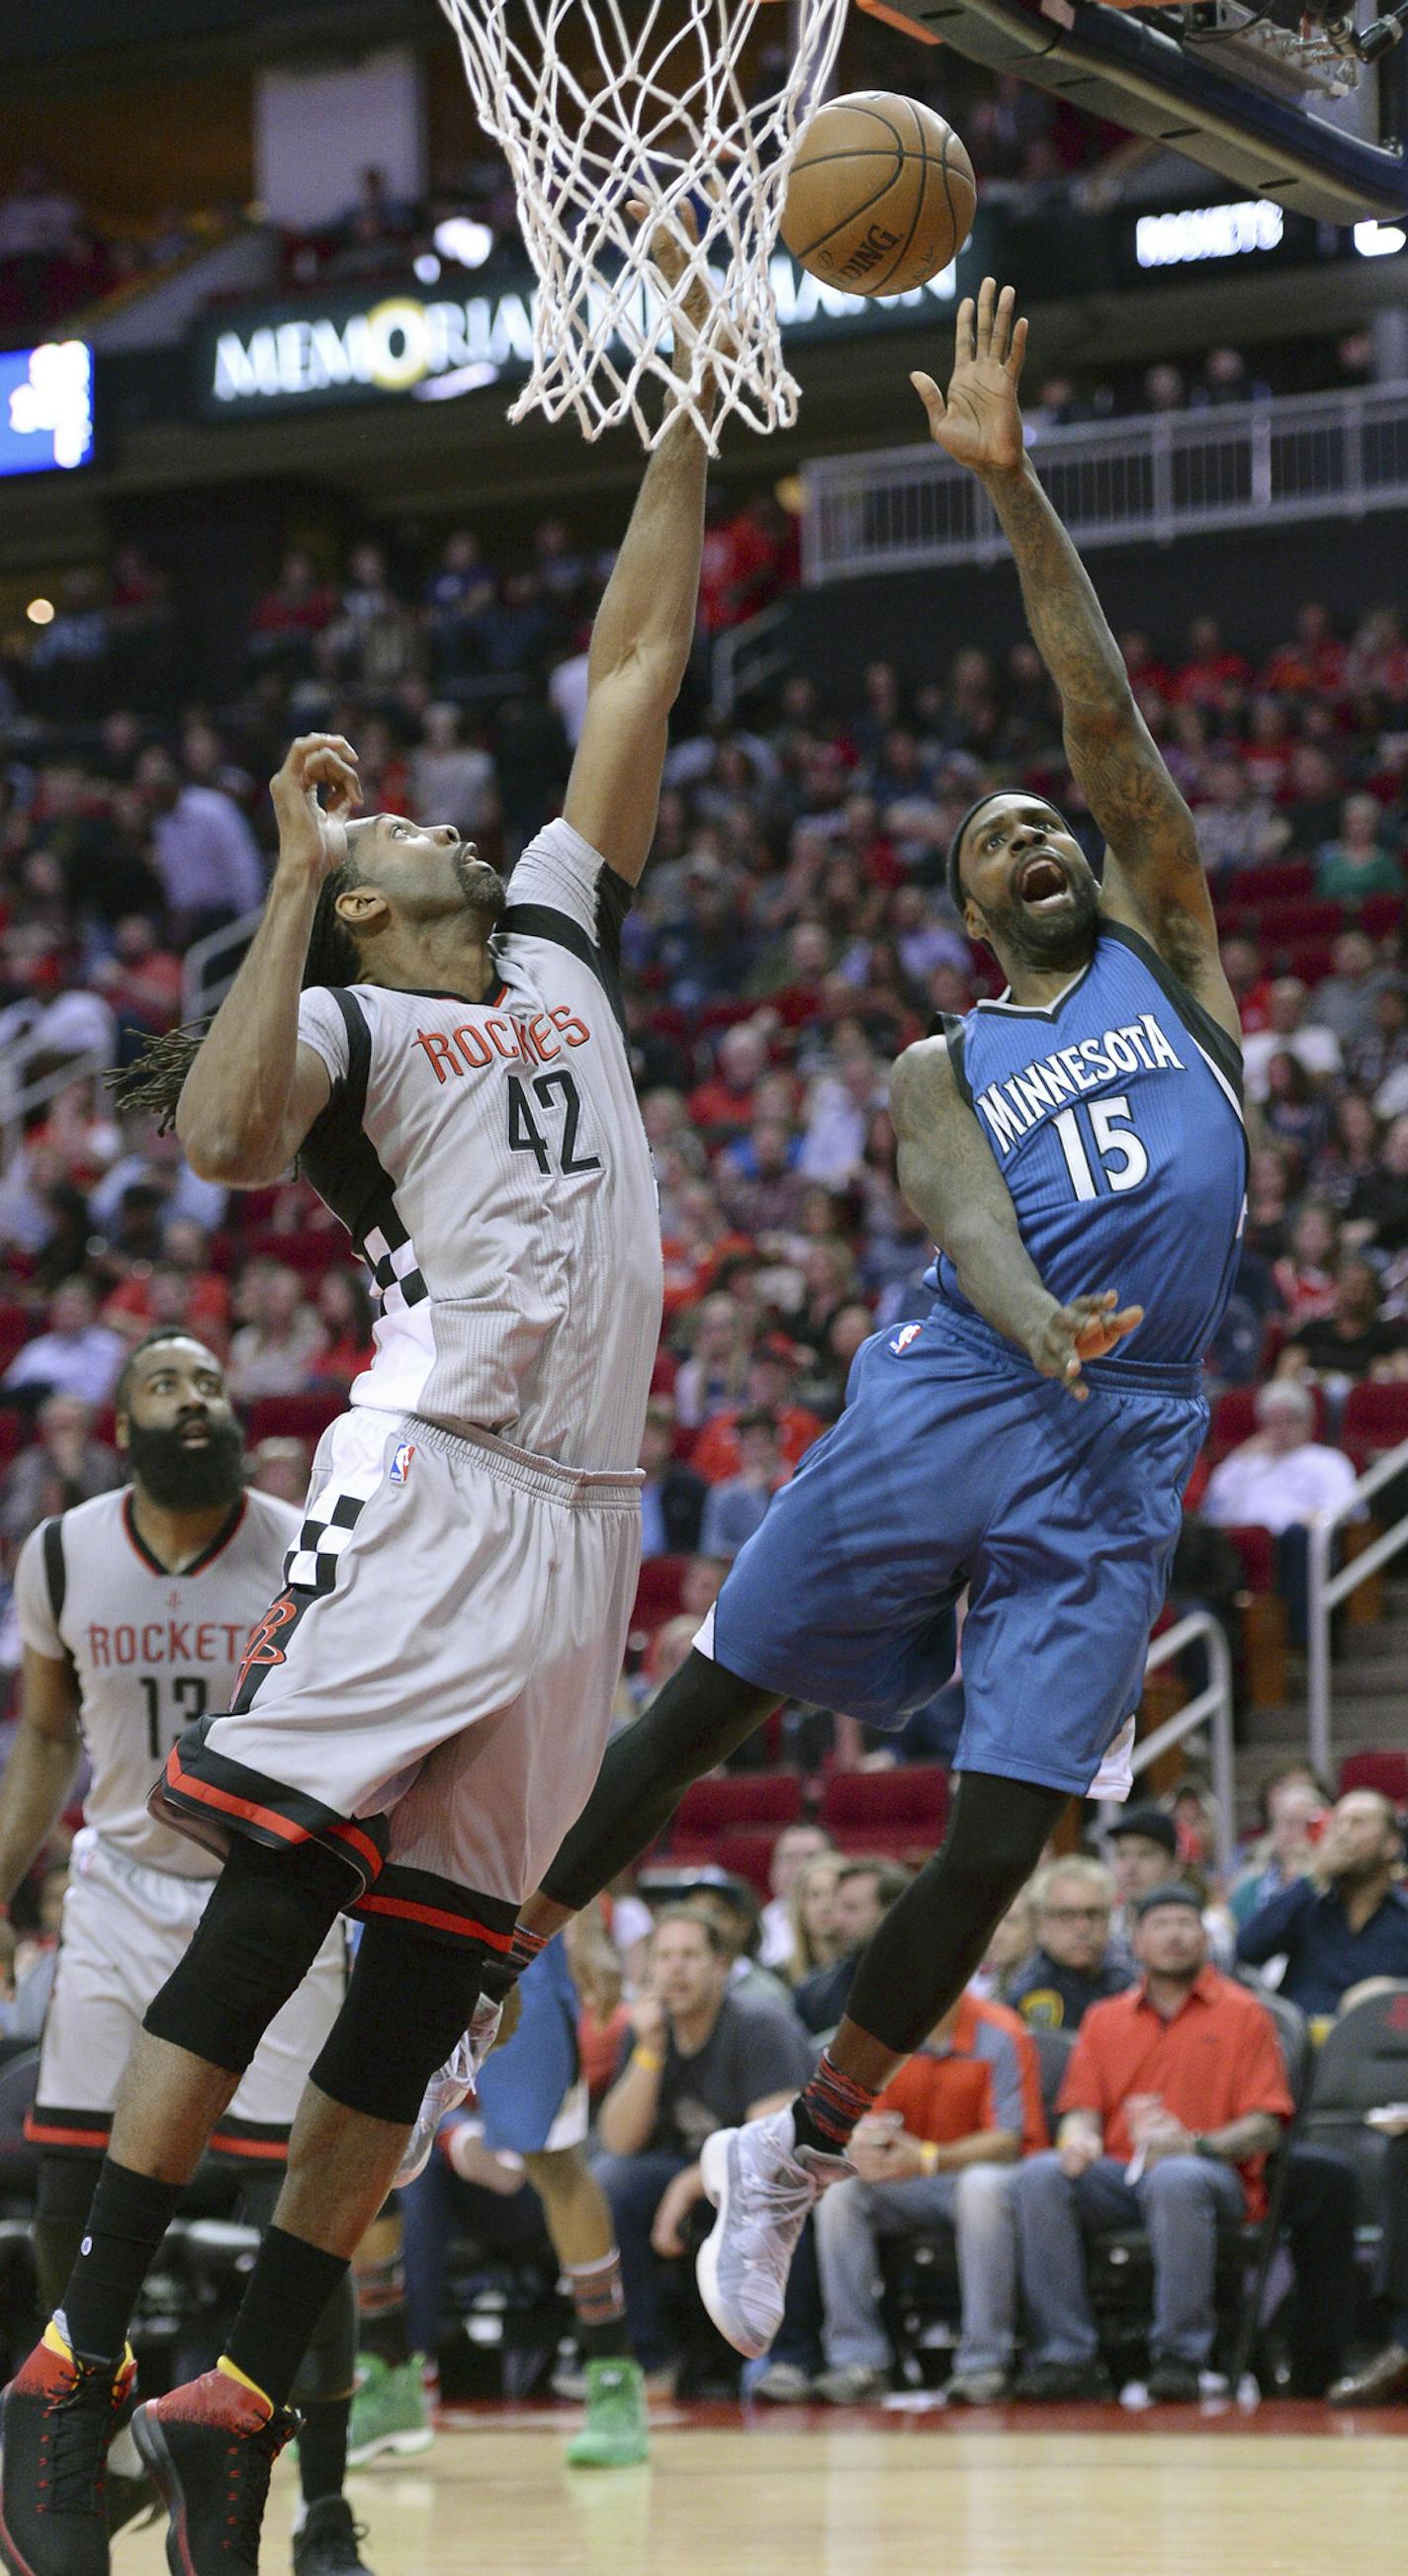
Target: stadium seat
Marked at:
745, 1851
1234, 1419
1362, 2065
1380, 1769
1380, 914
310, 1253
294, 1417
1303, 917
657, 1598
1279, 881
772, 1798
898, 1813
1257, 1552
1375, 1419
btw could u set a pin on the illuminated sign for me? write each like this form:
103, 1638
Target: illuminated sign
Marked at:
1379, 241
434, 346
46, 407
1208, 232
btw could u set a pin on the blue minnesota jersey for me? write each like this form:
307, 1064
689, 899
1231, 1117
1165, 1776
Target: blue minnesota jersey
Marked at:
1114, 1117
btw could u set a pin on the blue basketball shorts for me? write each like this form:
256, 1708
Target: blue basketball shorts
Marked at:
954, 1463
528, 2089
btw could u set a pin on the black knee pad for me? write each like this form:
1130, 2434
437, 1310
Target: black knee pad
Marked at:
266, 1921
411, 1998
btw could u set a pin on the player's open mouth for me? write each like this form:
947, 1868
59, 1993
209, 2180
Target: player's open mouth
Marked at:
1041, 880
195, 1435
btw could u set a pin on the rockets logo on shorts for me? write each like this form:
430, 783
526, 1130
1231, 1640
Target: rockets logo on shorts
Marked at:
263, 1648
901, 1340
401, 1463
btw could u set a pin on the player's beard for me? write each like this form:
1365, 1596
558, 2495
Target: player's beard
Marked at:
183, 1478
1040, 941
483, 889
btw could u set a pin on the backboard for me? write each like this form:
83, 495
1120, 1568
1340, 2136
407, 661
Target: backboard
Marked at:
1279, 102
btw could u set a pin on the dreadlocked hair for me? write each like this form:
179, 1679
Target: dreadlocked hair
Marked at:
155, 1081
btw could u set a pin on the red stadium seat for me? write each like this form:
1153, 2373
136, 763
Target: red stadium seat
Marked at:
1380, 914
1387, 1772
1311, 959
309, 1253
756, 1798
294, 1417
657, 1597
1375, 1419
1279, 881
1304, 917
1234, 1419
894, 1813
1257, 1550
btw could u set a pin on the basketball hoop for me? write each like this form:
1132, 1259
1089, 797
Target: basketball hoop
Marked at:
591, 115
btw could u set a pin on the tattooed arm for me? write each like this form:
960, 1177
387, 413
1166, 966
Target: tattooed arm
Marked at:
1154, 876
948, 1175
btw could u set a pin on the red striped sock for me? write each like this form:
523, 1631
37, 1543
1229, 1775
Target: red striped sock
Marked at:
827, 2109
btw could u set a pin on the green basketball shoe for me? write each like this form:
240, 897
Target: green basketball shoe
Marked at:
389, 2412
616, 2433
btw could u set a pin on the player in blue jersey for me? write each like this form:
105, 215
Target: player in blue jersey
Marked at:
1103, 1090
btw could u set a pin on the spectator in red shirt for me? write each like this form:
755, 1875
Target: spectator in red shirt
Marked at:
1211, 668
936, 2154
1314, 663
1172, 2100
724, 1107
717, 1453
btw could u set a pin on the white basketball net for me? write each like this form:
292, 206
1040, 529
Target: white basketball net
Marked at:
660, 117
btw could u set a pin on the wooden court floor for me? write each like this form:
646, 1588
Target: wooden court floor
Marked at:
1290, 2491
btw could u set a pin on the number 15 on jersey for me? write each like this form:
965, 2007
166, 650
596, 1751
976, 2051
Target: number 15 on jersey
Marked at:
1115, 1161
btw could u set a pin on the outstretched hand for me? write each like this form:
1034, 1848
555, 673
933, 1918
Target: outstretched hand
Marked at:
313, 834
1088, 1329
978, 421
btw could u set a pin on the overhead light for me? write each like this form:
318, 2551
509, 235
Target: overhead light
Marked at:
40, 612
467, 243
1379, 241
427, 267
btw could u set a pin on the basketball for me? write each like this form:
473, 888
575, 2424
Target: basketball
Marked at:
880, 196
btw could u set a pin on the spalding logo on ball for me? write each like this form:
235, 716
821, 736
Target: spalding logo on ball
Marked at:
880, 196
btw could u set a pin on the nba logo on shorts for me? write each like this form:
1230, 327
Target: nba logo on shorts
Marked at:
401, 1463
901, 1340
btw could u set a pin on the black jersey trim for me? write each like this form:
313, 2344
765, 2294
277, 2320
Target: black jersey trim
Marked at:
198, 1564
338, 1155
55, 1570
1206, 1032
544, 921
1041, 1010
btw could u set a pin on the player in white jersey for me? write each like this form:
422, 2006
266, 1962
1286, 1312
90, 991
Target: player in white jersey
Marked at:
134, 1609
426, 1703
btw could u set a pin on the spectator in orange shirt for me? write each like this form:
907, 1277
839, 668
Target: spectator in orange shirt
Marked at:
936, 2153
1174, 2096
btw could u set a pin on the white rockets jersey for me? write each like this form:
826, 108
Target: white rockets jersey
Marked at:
152, 1651
489, 1162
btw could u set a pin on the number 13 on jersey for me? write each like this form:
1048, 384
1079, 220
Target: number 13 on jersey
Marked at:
1119, 1160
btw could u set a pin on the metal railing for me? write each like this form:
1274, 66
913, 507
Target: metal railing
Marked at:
745, 658
1211, 1707
21, 1093
1136, 481
209, 968
1326, 1590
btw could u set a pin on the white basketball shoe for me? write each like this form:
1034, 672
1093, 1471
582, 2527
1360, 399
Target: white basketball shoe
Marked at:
763, 2186
454, 2084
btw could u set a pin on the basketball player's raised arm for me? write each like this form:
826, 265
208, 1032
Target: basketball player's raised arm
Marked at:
42, 1767
640, 647
254, 1091
1154, 877
953, 1185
